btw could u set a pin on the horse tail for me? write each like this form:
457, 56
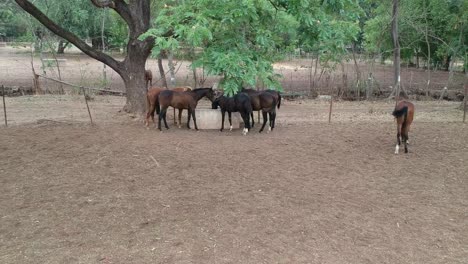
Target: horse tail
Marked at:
158, 107
403, 111
279, 100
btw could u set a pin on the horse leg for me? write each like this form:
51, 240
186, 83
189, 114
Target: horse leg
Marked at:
253, 120
270, 115
230, 120
405, 140
264, 121
188, 118
165, 121
223, 113
160, 116
149, 113
175, 122
245, 118
194, 119
397, 147
246, 122
273, 117
180, 117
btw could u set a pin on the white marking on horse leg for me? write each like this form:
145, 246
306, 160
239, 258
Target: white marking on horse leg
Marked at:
397, 148
407, 141
269, 129
230, 128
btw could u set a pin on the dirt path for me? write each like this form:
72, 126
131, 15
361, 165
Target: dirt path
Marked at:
310, 192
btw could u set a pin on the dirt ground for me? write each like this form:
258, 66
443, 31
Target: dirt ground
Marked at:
309, 192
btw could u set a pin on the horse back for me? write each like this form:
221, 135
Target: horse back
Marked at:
153, 93
267, 101
179, 100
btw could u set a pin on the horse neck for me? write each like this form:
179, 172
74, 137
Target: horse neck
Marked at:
199, 93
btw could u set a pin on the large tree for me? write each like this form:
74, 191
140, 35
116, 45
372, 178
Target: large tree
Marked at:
136, 14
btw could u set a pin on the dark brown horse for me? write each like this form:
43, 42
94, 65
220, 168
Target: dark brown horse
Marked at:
148, 78
181, 100
276, 94
404, 113
152, 97
264, 101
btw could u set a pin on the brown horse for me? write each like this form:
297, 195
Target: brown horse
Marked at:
151, 98
181, 100
152, 103
148, 78
266, 102
180, 89
404, 113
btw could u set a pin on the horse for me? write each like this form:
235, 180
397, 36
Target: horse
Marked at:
181, 100
148, 78
276, 94
151, 98
404, 113
239, 103
266, 102
180, 89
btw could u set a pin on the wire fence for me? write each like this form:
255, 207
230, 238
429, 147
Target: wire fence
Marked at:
301, 75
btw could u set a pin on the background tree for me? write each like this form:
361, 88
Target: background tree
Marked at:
136, 15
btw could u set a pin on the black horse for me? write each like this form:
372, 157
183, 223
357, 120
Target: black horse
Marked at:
239, 103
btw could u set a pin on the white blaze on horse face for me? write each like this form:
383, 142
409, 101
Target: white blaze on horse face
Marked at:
397, 148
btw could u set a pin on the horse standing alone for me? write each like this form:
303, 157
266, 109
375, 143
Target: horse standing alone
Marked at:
404, 113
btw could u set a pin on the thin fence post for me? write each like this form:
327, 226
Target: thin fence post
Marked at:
4, 105
465, 99
87, 106
331, 106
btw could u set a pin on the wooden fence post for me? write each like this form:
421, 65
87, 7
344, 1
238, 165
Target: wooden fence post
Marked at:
4, 106
465, 99
331, 106
87, 106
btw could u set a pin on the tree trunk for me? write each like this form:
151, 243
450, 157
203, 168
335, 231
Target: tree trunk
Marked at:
171, 68
62, 46
161, 70
426, 35
396, 51
135, 84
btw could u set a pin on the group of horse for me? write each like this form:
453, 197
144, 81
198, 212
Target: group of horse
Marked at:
245, 102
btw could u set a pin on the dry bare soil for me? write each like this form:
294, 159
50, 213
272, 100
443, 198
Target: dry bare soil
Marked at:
309, 192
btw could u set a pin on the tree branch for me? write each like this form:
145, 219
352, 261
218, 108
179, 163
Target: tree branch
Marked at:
120, 7
80, 44
102, 4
